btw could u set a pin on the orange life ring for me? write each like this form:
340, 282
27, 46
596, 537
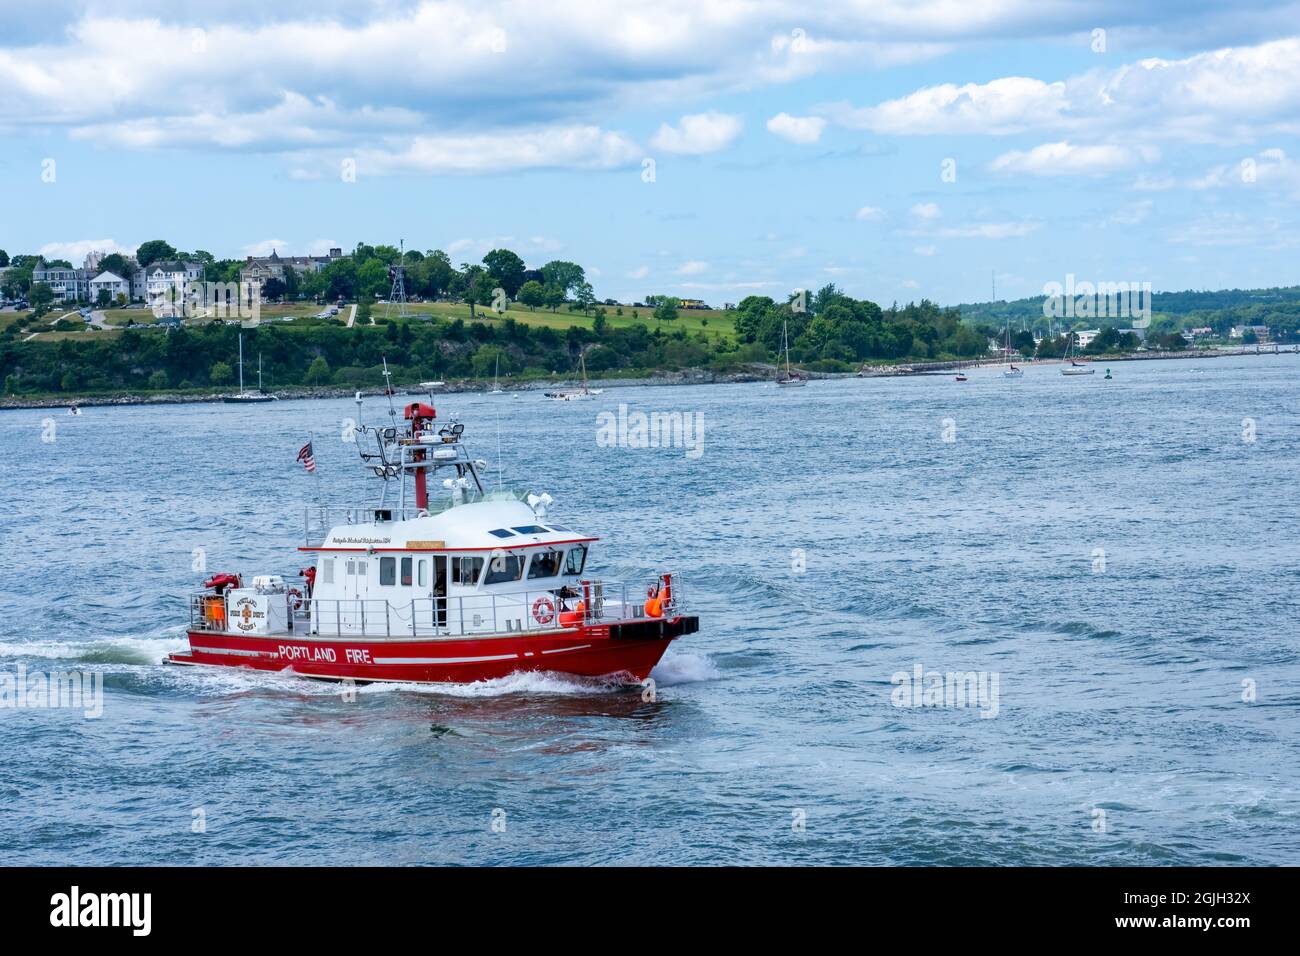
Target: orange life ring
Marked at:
295, 599
543, 610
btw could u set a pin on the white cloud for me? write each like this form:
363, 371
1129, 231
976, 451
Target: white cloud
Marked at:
76, 250
870, 214
1133, 214
991, 230
697, 134
925, 250
266, 247
1269, 169
926, 210
1066, 159
692, 267
1223, 95
797, 129
573, 147
640, 272
473, 249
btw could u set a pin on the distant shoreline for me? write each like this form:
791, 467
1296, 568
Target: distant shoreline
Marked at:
694, 376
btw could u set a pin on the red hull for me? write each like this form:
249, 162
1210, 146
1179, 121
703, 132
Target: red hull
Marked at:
582, 651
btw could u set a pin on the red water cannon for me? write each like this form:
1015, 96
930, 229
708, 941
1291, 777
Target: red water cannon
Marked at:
220, 582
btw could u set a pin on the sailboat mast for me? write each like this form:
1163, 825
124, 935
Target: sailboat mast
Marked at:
259, 371
241, 363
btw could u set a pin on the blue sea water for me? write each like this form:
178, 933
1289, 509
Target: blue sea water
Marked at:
1116, 554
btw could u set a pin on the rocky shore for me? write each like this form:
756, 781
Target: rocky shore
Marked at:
693, 376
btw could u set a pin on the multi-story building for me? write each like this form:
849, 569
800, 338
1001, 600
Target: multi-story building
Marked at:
68, 284
165, 281
258, 269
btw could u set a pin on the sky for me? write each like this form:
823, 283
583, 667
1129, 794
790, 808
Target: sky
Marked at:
710, 149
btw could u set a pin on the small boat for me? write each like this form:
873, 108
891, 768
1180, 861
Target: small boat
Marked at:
248, 398
1075, 367
74, 410
477, 586
961, 378
790, 379
1010, 371
574, 394
496, 378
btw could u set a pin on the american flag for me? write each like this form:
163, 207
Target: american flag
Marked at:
307, 458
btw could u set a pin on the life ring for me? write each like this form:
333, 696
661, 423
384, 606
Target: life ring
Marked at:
543, 610
295, 599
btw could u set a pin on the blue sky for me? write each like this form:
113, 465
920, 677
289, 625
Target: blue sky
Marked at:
792, 145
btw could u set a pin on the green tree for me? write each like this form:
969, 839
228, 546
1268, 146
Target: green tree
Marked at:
508, 268
154, 250
532, 294
319, 372
666, 310
554, 296
567, 276
4, 259
221, 374
40, 296
585, 297
158, 380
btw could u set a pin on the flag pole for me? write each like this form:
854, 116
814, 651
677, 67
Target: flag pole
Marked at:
320, 503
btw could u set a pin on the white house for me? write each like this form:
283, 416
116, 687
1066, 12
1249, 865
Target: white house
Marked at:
111, 283
165, 281
1084, 337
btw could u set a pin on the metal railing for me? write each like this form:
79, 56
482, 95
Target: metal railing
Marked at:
320, 520
459, 615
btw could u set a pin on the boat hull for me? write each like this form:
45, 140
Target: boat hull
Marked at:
621, 650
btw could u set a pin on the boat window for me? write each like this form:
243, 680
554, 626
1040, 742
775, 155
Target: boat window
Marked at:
327, 571
387, 571
352, 566
361, 568
545, 564
406, 572
560, 527
503, 568
466, 570
576, 560
530, 529
422, 572
502, 533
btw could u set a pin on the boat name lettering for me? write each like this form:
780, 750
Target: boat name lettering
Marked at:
294, 653
351, 540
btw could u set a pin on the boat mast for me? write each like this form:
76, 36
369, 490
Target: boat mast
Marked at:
259, 372
241, 363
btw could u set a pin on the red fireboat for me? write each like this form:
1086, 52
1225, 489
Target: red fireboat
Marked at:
477, 586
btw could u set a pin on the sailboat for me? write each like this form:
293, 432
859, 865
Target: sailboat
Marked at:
244, 397
1010, 371
1074, 367
789, 379
496, 378
573, 394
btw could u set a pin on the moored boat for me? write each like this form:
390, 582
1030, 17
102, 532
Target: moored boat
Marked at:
478, 586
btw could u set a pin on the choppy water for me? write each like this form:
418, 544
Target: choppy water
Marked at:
1114, 552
